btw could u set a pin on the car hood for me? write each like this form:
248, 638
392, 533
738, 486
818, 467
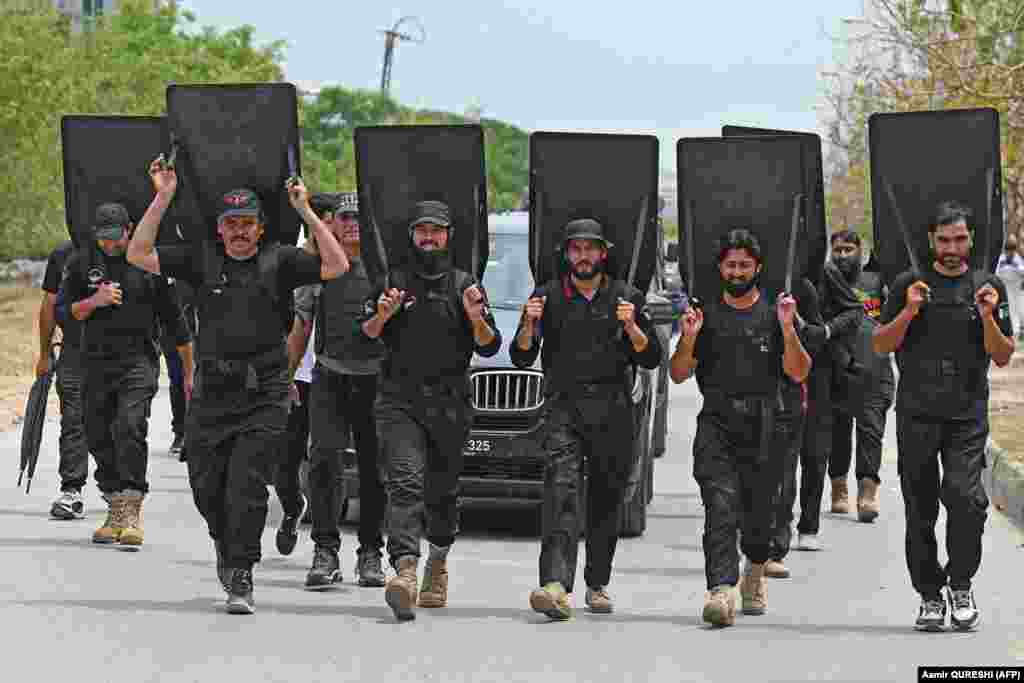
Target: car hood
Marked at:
508, 322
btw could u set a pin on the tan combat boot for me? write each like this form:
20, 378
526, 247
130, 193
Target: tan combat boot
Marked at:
754, 590
867, 500
434, 589
775, 569
720, 606
552, 601
112, 527
400, 593
840, 497
131, 535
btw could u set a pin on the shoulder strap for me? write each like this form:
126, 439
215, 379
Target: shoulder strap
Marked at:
269, 261
213, 266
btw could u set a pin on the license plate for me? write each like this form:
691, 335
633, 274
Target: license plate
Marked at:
478, 446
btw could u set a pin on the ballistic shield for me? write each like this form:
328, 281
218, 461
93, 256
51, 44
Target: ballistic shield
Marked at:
106, 159
612, 179
919, 159
398, 166
230, 137
815, 232
742, 182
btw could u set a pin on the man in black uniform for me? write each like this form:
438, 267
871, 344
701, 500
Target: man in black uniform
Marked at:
121, 306
74, 451
240, 404
946, 325
594, 334
343, 392
749, 361
432, 319
863, 386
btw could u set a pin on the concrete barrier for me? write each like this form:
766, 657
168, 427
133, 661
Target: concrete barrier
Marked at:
1004, 482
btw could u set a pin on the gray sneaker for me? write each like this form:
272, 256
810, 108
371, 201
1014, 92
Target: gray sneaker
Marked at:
240, 599
68, 505
932, 614
963, 612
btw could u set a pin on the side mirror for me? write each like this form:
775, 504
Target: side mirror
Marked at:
672, 252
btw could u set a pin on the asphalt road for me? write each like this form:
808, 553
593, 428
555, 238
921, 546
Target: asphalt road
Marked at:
72, 611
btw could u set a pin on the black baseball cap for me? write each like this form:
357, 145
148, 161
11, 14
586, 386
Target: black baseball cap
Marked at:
431, 211
111, 221
324, 202
241, 202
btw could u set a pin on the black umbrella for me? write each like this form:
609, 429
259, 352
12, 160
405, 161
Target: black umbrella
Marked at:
32, 427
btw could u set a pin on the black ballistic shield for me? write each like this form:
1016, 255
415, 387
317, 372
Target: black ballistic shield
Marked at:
925, 158
815, 231
610, 178
741, 182
106, 159
32, 426
397, 166
230, 137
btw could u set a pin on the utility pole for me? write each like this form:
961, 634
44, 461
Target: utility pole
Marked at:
391, 36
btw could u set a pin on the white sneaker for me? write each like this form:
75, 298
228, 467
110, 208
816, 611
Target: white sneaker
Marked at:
68, 505
808, 542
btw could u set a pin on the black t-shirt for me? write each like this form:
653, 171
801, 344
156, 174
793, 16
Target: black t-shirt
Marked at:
240, 319
942, 361
70, 328
121, 331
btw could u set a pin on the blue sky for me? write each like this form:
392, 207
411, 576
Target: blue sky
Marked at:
675, 69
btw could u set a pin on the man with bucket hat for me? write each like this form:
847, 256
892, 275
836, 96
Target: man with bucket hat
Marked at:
594, 331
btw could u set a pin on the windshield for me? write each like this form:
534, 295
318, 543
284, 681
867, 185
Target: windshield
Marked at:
508, 279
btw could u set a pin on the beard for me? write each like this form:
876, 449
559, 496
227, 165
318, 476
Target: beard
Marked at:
585, 270
738, 287
431, 264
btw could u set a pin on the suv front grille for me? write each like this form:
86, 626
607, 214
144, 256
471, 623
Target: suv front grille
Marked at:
508, 390
492, 467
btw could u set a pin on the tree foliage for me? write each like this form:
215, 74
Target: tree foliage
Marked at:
910, 55
328, 128
124, 65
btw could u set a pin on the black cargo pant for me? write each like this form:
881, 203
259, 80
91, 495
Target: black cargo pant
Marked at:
600, 428
960, 445
738, 464
340, 405
118, 397
74, 448
176, 377
422, 431
294, 449
870, 430
233, 439
810, 450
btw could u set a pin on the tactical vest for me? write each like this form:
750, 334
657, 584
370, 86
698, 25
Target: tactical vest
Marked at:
431, 342
270, 309
116, 330
943, 363
338, 311
559, 323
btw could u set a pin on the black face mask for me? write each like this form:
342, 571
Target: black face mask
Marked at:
849, 266
431, 264
738, 289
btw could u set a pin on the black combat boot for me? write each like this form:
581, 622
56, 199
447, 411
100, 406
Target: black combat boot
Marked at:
325, 570
240, 592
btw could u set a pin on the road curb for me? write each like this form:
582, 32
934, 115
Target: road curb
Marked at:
1004, 482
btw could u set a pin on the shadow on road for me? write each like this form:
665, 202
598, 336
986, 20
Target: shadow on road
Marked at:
668, 572
48, 542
